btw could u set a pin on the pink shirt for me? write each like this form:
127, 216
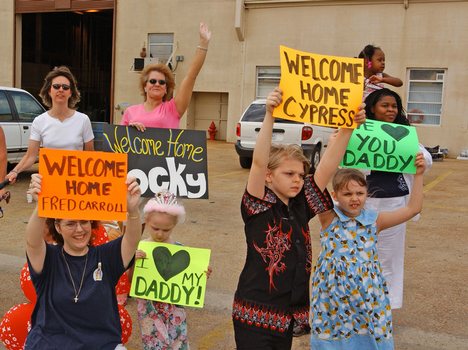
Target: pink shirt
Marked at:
165, 116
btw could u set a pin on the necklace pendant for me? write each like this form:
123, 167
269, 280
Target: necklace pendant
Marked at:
71, 277
97, 274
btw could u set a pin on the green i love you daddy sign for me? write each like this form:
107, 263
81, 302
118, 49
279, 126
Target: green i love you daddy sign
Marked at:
382, 146
171, 273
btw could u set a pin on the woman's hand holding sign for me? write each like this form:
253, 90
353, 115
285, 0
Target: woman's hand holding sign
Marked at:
139, 126
360, 117
35, 186
133, 196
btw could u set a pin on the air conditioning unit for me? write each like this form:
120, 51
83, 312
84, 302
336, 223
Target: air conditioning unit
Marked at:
138, 64
440, 76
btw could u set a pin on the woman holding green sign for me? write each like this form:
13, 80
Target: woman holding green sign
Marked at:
389, 191
76, 304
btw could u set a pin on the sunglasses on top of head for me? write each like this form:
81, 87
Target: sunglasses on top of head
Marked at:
65, 87
159, 81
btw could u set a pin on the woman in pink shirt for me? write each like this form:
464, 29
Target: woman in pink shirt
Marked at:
160, 110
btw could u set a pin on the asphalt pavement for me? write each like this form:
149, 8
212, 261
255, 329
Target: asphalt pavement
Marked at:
435, 311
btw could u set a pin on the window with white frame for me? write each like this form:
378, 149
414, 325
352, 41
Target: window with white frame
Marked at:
161, 47
267, 79
425, 91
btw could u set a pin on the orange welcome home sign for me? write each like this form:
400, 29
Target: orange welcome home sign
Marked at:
83, 185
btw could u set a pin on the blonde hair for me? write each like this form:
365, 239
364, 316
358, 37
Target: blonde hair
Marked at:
168, 76
344, 176
279, 152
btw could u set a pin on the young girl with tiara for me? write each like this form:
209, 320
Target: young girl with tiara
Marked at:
350, 308
162, 325
272, 296
374, 65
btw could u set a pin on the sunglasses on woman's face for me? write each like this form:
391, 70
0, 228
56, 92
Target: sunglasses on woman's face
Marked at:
159, 81
65, 87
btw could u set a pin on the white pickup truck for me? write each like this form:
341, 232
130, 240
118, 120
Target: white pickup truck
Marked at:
312, 138
18, 108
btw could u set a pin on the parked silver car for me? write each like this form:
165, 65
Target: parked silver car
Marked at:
18, 108
312, 138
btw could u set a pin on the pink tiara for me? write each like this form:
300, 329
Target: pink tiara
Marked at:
165, 202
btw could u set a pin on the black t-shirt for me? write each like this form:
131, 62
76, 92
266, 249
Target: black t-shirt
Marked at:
273, 286
383, 184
